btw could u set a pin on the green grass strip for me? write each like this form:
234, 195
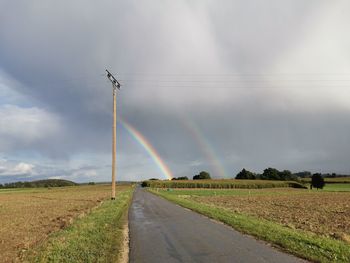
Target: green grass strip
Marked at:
96, 237
300, 243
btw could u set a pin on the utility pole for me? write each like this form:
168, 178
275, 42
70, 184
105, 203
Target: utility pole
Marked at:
115, 85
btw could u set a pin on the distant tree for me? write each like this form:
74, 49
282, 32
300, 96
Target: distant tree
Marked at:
271, 174
245, 174
40, 183
180, 178
27, 184
317, 181
91, 183
202, 175
1, 186
153, 179
333, 175
304, 174
287, 175
258, 176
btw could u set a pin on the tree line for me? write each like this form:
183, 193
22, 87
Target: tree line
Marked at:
317, 179
270, 174
203, 175
39, 183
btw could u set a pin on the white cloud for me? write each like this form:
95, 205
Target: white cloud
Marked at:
16, 169
56, 177
82, 173
23, 168
20, 127
163, 40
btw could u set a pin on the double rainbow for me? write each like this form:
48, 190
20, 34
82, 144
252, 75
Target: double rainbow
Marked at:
148, 147
205, 147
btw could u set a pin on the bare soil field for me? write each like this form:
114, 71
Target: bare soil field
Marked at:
28, 216
323, 213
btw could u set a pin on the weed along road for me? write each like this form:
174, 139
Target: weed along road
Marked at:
161, 231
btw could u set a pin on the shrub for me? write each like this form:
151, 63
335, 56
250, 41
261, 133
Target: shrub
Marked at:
180, 178
244, 174
202, 176
317, 181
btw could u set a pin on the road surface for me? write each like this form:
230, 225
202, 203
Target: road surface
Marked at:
163, 232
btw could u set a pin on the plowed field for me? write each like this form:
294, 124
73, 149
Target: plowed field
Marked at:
323, 213
28, 216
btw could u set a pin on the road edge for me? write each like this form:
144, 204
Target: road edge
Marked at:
300, 238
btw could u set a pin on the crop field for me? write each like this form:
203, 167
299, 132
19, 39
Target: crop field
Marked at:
222, 184
336, 180
337, 187
279, 215
322, 213
29, 216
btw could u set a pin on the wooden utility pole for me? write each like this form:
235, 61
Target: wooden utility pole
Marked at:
114, 142
115, 85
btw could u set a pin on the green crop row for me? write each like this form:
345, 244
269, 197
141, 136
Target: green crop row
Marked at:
221, 184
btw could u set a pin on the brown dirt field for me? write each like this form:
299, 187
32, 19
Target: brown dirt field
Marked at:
323, 213
28, 216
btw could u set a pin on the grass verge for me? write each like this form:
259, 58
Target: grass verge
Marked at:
97, 237
300, 243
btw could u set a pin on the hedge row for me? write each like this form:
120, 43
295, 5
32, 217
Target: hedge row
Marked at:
222, 184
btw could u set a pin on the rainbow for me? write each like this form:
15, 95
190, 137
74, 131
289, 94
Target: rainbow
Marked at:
205, 147
148, 147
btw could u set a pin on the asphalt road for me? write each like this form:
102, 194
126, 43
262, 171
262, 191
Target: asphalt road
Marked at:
161, 231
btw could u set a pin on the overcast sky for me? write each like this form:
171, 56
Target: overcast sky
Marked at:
212, 85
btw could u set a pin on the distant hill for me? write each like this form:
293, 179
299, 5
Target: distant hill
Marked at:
39, 183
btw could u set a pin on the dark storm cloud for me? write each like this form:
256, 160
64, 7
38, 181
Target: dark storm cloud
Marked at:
181, 61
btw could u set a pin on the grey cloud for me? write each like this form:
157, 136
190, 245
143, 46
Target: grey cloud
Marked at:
181, 60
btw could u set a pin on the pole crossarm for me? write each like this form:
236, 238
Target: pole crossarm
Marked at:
114, 81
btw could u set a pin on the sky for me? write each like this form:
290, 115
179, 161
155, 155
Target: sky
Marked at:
210, 85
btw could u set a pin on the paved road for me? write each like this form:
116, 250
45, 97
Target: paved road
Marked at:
161, 231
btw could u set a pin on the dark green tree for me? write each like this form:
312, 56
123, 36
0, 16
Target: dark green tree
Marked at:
287, 175
27, 184
271, 174
317, 181
180, 178
245, 174
304, 174
202, 175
